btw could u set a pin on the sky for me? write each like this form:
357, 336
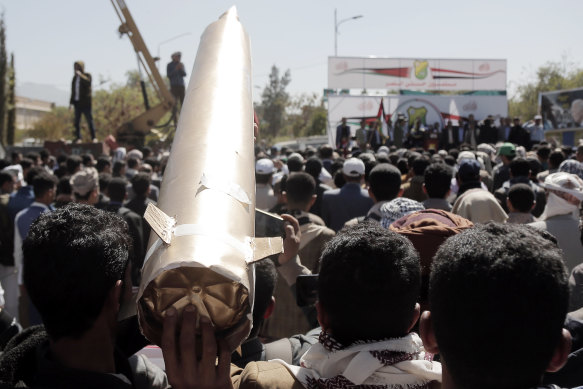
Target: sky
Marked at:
47, 36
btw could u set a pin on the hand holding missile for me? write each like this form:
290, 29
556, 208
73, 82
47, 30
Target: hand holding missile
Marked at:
291, 243
189, 364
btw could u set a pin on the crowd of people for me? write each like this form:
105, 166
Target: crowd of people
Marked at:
455, 267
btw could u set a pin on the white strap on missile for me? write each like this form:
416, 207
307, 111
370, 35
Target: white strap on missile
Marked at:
229, 188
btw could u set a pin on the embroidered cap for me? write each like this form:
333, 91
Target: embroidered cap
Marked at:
84, 181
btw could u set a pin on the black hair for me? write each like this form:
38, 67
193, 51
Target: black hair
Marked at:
117, 168
438, 180
384, 182
72, 258
32, 173
300, 187
555, 159
133, 163
104, 180
102, 163
33, 156
543, 152
482, 287
339, 179
5, 177
117, 189
42, 183
26, 163
535, 166
265, 280
64, 186
521, 197
295, 165
87, 159
44, 154
73, 163
369, 283
140, 184
313, 167
368, 166
263, 178
419, 165
519, 167
403, 165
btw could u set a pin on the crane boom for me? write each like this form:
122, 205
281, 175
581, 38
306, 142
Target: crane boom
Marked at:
135, 130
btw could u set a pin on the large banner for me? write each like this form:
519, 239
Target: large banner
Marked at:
429, 109
562, 109
417, 74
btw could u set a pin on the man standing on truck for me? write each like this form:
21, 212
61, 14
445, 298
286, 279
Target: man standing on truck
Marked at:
175, 72
81, 100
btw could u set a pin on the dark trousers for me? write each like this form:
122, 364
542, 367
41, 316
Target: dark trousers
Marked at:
86, 111
178, 93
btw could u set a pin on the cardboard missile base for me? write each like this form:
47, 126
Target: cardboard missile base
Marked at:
202, 246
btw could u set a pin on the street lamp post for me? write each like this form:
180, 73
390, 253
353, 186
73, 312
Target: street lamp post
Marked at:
336, 24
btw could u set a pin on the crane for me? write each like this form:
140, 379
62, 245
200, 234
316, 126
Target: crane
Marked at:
134, 131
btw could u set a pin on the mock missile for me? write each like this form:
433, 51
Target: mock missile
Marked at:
202, 246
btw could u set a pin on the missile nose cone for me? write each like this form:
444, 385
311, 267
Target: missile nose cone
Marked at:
231, 13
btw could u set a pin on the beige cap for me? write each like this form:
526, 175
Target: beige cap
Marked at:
84, 181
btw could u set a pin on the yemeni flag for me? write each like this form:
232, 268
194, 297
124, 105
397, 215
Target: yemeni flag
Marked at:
383, 120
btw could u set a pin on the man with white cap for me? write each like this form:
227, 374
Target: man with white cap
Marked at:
350, 201
265, 199
561, 214
536, 131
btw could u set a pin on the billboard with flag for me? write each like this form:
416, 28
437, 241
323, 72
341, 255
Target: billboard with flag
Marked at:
429, 109
418, 74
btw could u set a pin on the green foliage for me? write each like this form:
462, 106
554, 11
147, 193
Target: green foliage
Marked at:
550, 77
55, 125
306, 116
11, 103
274, 101
111, 108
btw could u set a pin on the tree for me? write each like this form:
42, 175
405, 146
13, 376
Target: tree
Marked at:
549, 77
2, 77
11, 106
306, 116
274, 102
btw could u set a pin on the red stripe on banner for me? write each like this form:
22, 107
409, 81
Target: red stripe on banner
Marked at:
394, 72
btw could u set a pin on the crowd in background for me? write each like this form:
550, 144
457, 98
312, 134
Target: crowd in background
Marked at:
474, 244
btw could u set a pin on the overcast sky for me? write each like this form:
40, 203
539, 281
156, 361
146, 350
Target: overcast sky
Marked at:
47, 36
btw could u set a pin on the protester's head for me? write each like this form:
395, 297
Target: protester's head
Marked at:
103, 165
397, 208
119, 169
468, 171
520, 198
572, 166
74, 163
519, 167
117, 189
437, 181
566, 186
32, 173
555, 159
419, 165
141, 184
326, 152
507, 152
85, 184
44, 186
482, 321
264, 169
353, 170
300, 190
73, 258
543, 153
368, 285
7, 182
384, 182
265, 280
295, 162
104, 180
87, 160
